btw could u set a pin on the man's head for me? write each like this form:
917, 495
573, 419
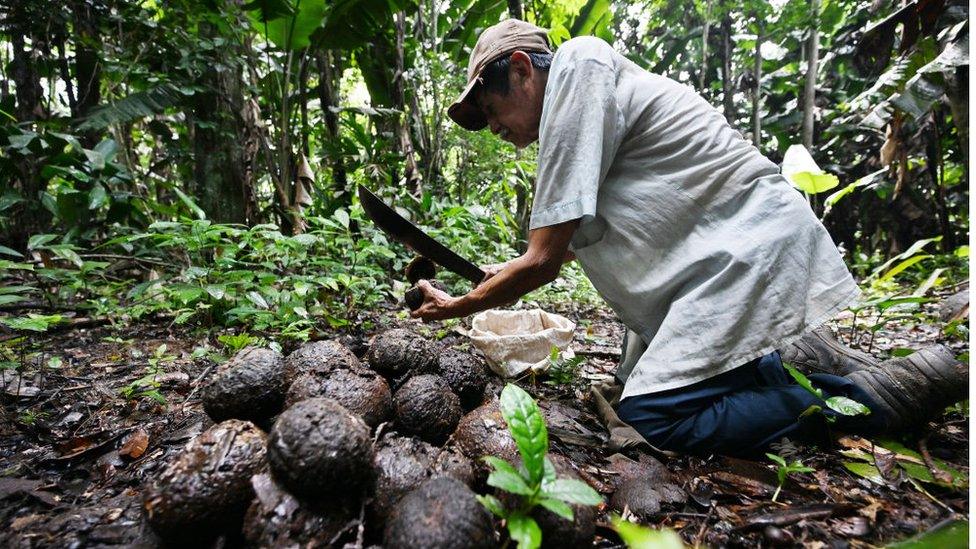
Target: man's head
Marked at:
507, 76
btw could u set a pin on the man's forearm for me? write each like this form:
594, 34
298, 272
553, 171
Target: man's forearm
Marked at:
519, 277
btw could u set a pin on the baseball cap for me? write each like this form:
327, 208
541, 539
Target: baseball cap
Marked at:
495, 41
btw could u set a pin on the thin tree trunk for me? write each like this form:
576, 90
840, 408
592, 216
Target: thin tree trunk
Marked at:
515, 9
88, 68
410, 173
704, 60
810, 85
728, 106
757, 90
330, 66
957, 91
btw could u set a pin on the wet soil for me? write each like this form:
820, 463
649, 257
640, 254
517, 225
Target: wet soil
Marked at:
81, 442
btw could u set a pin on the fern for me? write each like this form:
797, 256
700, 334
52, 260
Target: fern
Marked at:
137, 105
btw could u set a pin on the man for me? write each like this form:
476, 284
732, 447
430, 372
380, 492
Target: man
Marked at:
696, 241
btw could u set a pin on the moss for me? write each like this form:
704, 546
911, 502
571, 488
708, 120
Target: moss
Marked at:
206, 489
319, 450
250, 386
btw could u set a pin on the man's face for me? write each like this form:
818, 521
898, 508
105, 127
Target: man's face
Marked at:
515, 117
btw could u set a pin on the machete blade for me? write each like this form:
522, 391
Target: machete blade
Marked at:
408, 234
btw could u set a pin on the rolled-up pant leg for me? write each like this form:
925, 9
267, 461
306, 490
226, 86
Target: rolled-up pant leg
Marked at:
740, 412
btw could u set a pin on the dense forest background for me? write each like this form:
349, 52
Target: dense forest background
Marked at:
197, 160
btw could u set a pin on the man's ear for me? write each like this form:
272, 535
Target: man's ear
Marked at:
520, 67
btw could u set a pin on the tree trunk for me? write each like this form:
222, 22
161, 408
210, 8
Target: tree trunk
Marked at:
219, 163
88, 67
757, 89
704, 59
411, 174
330, 67
515, 9
728, 106
957, 91
810, 85
27, 217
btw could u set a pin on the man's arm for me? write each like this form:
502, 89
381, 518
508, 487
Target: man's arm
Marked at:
539, 265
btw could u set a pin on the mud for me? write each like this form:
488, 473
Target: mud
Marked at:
207, 488
397, 352
276, 519
643, 486
319, 450
250, 386
466, 374
441, 513
359, 390
318, 357
426, 407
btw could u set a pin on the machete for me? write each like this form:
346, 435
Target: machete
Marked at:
408, 234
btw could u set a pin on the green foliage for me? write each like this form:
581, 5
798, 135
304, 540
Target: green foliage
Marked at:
784, 469
642, 537
842, 405
562, 370
147, 386
535, 481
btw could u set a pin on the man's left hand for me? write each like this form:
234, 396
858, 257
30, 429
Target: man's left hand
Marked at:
437, 305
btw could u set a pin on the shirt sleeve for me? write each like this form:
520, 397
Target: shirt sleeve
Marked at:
579, 133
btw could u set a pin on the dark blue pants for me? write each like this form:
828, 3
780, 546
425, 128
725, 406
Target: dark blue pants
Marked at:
742, 411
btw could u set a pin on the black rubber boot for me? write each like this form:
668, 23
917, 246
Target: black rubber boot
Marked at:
913, 389
818, 352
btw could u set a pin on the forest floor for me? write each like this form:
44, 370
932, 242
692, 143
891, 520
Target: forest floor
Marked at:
75, 451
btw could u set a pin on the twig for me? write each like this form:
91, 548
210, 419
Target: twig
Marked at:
196, 385
923, 448
704, 525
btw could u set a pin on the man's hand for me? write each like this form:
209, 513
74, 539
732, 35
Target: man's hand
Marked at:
437, 305
492, 270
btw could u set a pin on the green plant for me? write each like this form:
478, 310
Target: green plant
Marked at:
534, 482
642, 537
237, 342
562, 370
784, 470
842, 405
148, 386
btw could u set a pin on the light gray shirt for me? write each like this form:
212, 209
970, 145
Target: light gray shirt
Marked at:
687, 231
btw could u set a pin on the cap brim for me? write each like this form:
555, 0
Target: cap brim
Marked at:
465, 112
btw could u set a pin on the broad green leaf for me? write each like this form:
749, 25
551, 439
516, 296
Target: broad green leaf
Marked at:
902, 266
804, 173
847, 407
6, 299
293, 32
32, 322
778, 459
506, 477
558, 507
911, 251
39, 240
954, 535
528, 428
270, 9
814, 183
10, 251
572, 491
216, 291
492, 504
342, 216
802, 380
190, 204
865, 470
642, 537
524, 531
257, 299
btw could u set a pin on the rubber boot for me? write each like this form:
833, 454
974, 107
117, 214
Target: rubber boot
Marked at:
818, 352
909, 391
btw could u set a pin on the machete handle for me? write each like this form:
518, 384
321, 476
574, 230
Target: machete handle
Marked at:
414, 297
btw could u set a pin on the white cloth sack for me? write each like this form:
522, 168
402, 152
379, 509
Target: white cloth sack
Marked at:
516, 341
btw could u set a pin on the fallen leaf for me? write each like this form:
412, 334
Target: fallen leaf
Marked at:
135, 444
871, 510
